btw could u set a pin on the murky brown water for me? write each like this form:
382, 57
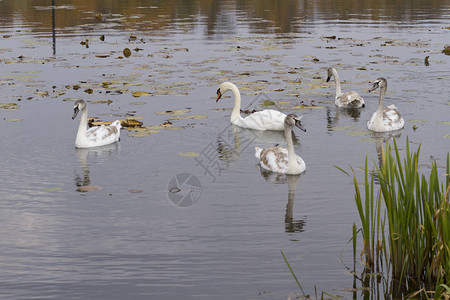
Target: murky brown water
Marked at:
100, 223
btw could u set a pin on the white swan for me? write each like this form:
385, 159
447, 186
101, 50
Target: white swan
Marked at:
97, 135
282, 160
268, 119
385, 118
349, 99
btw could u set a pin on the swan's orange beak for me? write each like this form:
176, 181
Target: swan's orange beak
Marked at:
219, 94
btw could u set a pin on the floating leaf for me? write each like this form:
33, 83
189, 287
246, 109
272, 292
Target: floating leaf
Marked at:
173, 112
126, 52
135, 191
87, 188
417, 121
9, 106
444, 122
130, 123
101, 102
268, 103
13, 120
189, 154
139, 134
137, 103
446, 50
139, 94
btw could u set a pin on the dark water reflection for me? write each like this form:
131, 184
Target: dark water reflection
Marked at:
217, 16
98, 224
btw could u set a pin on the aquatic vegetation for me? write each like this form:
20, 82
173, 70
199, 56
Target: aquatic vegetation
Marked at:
405, 224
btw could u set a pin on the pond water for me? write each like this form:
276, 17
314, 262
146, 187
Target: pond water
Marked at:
117, 222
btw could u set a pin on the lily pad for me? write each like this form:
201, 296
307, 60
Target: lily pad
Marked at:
268, 103
87, 188
446, 136
139, 134
173, 112
126, 52
139, 94
189, 154
9, 106
13, 120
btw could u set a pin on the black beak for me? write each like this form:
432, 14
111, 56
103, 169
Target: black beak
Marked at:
374, 87
75, 112
328, 78
219, 94
299, 125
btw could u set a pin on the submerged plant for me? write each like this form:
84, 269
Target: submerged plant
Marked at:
412, 232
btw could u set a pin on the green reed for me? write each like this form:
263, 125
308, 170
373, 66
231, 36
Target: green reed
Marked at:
412, 233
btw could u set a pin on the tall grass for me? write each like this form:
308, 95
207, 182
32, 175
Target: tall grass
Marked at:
405, 220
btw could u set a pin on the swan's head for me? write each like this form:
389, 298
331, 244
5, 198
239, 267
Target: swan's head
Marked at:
78, 105
223, 88
330, 73
292, 120
379, 83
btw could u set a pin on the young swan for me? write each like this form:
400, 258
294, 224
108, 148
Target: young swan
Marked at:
349, 99
96, 135
282, 160
385, 118
268, 119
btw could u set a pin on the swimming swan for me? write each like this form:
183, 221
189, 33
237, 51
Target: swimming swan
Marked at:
385, 118
349, 99
268, 119
282, 160
97, 135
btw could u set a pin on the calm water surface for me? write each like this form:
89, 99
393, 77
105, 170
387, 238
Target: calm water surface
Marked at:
99, 223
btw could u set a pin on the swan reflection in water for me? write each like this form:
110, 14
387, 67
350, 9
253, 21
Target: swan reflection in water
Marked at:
381, 139
333, 121
290, 224
83, 182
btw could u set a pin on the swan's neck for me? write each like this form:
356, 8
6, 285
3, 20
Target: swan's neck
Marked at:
337, 83
236, 113
381, 102
292, 158
81, 135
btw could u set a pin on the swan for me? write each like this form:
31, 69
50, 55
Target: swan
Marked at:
97, 135
282, 160
385, 118
349, 99
268, 119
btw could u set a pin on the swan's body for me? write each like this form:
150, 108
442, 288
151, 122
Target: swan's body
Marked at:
282, 160
96, 135
349, 99
268, 119
385, 118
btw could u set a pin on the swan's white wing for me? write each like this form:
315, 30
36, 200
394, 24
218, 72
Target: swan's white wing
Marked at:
274, 159
103, 135
390, 121
349, 99
392, 118
268, 119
